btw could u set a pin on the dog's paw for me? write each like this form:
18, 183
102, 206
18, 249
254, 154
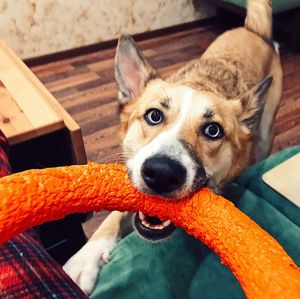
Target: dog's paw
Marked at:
83, 267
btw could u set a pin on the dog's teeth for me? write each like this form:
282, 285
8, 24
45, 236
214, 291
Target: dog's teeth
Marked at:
142, 216
157, 226
166, 223
145, 223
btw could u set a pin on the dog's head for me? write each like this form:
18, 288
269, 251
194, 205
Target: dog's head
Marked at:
178, 139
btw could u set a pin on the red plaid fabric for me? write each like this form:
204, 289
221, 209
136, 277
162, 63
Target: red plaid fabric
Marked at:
26, 269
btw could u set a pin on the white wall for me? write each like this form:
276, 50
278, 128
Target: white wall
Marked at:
38, 27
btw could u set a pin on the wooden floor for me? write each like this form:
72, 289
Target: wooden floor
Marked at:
85, 86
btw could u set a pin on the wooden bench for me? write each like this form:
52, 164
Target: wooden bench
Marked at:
28, 110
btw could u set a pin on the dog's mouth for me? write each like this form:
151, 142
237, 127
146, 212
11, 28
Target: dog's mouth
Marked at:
160, 181
152, 228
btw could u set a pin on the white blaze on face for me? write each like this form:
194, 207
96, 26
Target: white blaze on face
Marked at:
167, 144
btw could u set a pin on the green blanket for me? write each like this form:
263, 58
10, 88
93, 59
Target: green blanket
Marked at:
182, 267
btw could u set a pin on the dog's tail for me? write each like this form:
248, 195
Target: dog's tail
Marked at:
259, 17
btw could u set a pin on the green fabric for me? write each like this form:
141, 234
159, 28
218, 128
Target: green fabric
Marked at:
278, 5
182, 267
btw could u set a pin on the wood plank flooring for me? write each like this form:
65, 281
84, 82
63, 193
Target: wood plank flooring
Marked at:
85, 86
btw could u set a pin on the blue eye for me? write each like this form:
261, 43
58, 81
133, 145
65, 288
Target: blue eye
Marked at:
213, 131
154, 117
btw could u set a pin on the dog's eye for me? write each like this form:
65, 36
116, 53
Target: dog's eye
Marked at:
213, 131
153, 117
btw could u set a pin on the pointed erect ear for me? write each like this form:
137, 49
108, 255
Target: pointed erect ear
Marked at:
252, 103
132, 71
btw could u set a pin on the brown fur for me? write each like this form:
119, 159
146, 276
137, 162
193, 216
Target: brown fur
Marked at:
226, 72
227, 69
259, 14
228, 87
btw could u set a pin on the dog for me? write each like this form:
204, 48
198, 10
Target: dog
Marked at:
200, 127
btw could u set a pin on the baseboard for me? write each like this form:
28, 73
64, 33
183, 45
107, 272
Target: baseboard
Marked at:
112, 43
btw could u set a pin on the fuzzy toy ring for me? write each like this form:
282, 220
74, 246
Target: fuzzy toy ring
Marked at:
260, 264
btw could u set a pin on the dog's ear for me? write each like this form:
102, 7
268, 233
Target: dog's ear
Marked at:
252, 103
132, 71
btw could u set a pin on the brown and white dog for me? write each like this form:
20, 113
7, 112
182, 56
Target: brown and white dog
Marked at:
199, 127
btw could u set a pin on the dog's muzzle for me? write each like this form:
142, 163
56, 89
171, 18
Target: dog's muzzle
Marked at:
167, 178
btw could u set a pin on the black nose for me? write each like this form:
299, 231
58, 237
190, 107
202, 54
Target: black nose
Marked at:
162, 174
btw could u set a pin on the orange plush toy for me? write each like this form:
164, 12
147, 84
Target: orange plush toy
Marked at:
261, 265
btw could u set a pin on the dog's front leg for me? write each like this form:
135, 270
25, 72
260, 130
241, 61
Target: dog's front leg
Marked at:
83, 267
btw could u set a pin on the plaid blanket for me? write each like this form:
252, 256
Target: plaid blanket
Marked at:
26, 269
